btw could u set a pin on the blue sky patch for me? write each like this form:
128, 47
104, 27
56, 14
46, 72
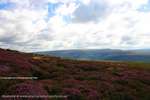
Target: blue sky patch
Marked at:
6, 5
52, 7
145, 8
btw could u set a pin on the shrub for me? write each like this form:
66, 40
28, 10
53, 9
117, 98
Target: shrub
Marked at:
73, 94
115, 71
119, 96
28, 89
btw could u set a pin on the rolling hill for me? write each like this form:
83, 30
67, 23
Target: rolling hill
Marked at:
102, 54
66, 79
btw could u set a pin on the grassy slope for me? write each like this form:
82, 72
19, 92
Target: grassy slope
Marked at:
80, 80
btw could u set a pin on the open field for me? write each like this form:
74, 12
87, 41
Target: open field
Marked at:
78, 80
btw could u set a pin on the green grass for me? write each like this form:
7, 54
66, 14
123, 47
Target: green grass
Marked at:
138, 65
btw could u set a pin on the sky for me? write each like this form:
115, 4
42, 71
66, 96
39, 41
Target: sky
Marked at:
43, 25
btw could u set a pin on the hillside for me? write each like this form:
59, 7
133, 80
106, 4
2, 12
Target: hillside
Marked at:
77, 80
102, 54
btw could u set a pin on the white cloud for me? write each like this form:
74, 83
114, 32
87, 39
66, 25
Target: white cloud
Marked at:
90, 11
134, 3
66, 9
91, 24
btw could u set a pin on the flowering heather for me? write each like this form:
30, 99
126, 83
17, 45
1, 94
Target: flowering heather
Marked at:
13, 59
26, 89
72, 93
79, 80
92, 95
4, 69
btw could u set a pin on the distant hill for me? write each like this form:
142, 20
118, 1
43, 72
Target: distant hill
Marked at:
102, 54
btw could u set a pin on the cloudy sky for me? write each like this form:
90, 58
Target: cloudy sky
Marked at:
36, 25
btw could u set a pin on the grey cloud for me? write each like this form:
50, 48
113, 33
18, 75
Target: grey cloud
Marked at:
7, 40
128, 40
91, 12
